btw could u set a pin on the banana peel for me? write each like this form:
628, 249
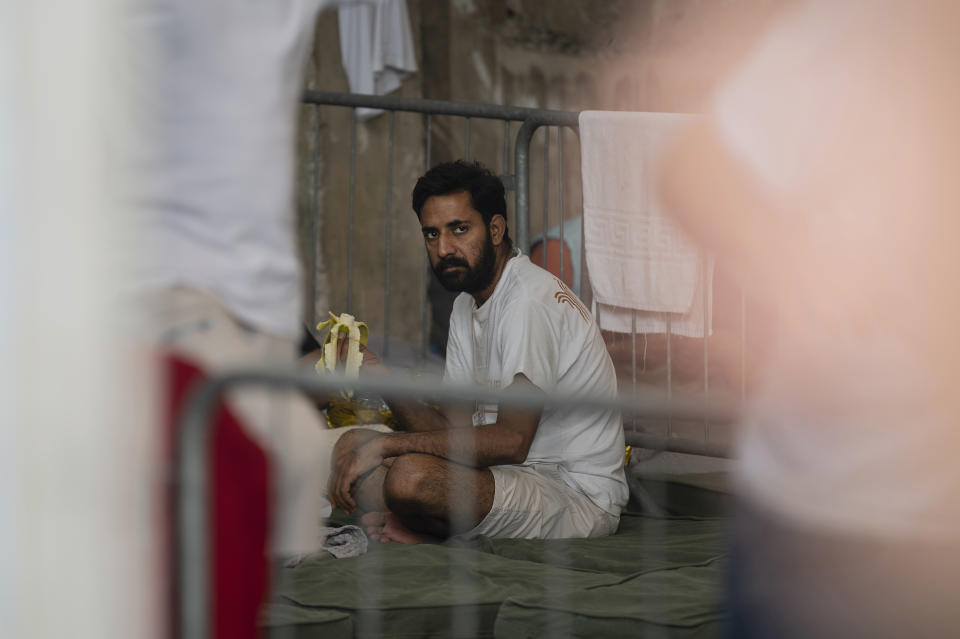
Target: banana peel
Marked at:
346, 410
357, 332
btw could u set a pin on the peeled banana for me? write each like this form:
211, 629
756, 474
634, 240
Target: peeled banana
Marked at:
357, 332
346, 410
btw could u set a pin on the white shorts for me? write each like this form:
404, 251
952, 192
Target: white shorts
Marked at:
534, 502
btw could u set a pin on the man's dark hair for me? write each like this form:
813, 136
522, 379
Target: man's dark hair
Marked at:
486, 190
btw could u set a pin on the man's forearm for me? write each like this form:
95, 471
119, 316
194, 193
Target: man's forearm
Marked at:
415, 417
411, 416
484, 446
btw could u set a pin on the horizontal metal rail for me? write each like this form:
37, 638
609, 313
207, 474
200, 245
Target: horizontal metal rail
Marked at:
439, 107
532, 120
649, 405
677, 444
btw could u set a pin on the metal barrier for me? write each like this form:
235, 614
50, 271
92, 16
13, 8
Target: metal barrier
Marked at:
520, 181
194, 436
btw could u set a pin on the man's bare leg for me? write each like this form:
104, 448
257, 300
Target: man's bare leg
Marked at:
378, 522
419, 498
433, 497
369, 495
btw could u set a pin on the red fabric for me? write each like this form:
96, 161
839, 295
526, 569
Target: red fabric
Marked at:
239, 510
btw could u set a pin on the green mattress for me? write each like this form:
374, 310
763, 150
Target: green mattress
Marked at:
656, 577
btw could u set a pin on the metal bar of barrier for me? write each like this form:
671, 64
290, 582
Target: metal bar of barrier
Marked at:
466, 137
439, 107
706, 339
429, 140
521, 164
506, 147
424, 331
388, 240
546, 195
649, 404
584, 279
193, 526
352, 185
743, 345
669, 377
676, 445
633, 354
315, 219
563, 218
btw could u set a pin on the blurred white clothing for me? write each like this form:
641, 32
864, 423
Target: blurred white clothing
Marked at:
285, 424
376, 45
842, 116
212, 195
217, 107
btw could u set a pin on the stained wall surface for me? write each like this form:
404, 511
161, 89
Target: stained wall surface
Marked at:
646, 55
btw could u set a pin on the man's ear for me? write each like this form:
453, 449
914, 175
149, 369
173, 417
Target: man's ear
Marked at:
498, 227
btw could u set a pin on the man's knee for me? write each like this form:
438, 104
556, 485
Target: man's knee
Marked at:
410, 480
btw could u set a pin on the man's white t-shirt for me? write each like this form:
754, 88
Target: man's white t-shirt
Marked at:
533, 324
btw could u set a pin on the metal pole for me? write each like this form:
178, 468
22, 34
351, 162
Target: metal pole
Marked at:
193, 526
441, 107
546, 193
506, 147
563, 218
743, 344
424, 332
633, 354
388, 212
521, 164
584, 280
706, 340
669, 379
353, 170
466, 134
400, 385
315, 220
676, 445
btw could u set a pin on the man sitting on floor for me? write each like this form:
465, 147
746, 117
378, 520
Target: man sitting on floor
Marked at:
552, 473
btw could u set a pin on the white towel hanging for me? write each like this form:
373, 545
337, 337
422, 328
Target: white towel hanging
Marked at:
638, 259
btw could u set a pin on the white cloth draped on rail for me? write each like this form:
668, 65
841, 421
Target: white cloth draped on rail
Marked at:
376, 45
640, 262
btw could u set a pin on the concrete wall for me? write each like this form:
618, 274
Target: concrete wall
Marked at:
649, 55
324, 152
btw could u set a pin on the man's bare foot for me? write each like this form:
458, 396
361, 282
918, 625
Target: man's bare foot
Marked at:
372, 523
387, 528
395, 532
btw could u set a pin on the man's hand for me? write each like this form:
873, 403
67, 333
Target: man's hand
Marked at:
356, 453
370, 363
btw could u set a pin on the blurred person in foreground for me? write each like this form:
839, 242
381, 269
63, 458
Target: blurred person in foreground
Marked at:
502, 471
826, 172
213, 198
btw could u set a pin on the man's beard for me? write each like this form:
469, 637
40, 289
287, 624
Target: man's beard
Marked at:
469, 280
